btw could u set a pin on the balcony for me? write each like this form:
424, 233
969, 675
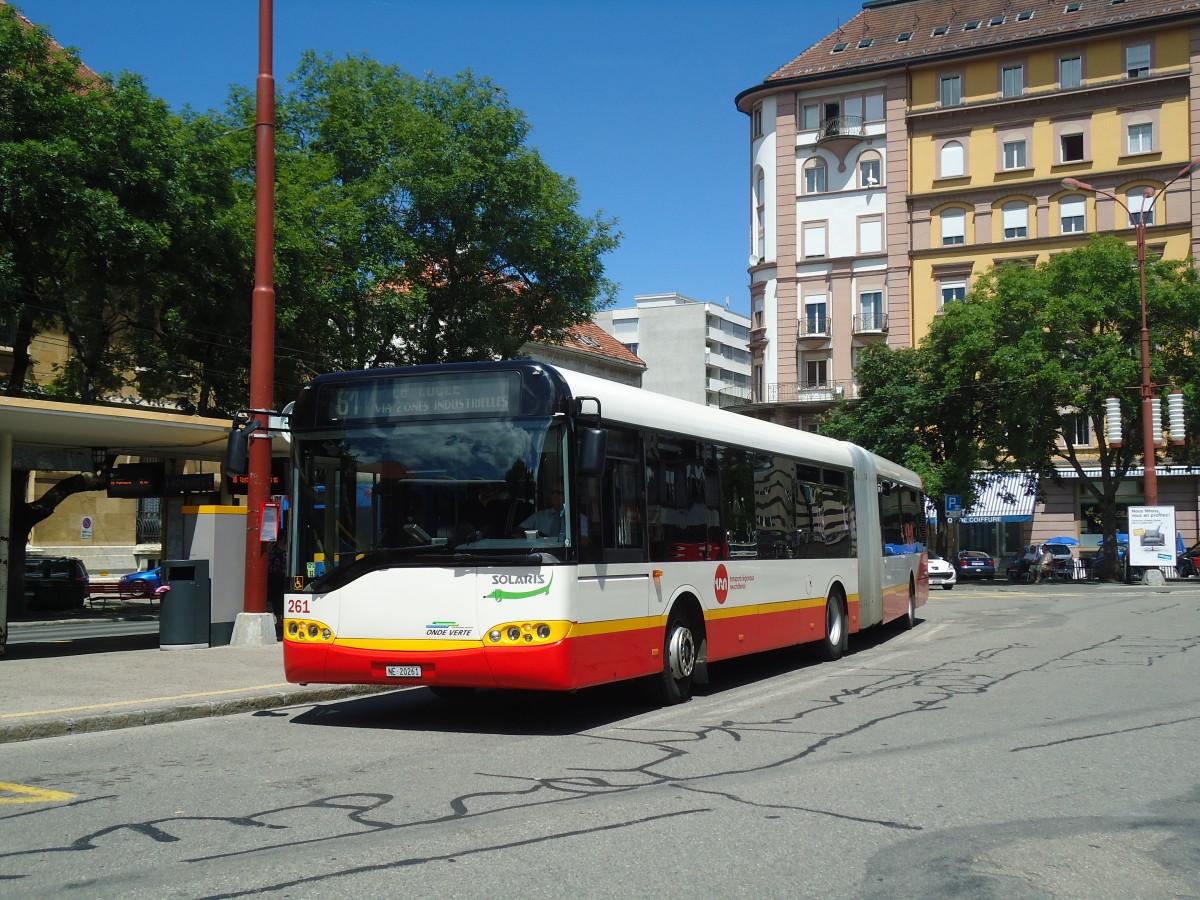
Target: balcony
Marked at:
871, 325
840, 133
799, 393
813, 328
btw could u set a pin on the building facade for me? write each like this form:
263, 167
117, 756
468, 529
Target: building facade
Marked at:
692, 350
970, 115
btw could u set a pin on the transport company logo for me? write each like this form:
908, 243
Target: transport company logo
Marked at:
500, 593
721, 584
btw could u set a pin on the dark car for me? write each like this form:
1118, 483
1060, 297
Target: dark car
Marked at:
1188, 563
140, 584
974, 564
55, 583
1122, 556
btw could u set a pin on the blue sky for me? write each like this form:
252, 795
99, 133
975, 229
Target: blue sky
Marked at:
634, 100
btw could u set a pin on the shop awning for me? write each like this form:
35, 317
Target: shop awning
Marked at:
1004, 498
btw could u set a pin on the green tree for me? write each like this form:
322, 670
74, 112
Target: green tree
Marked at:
1007, 379
417, 226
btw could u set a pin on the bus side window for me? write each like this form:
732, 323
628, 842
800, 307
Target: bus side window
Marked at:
615, 504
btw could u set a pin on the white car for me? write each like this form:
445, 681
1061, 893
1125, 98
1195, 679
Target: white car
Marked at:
940, 572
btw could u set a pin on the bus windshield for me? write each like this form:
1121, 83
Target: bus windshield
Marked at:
413, 488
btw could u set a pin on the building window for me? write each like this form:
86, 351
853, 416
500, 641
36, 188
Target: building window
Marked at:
1081, 430
869, 171
1137, 60
816, 373
1012, 81
874, 107
816, 318
871, 309
951, 90
1072, 213
810, 116
870, 234
1141, 138
813, 237
954, 227
814, 176
953, 291
1071, 147
760, 202
758, 312
1070, 72
632, 348
1140, 208
1016, 220
1014, 155
757, 118
950, 158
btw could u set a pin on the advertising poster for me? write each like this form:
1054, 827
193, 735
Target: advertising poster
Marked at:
1152, 535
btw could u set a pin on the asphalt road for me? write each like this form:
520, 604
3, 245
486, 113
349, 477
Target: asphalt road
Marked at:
1020, 742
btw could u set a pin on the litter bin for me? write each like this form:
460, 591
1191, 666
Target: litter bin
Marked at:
183, 620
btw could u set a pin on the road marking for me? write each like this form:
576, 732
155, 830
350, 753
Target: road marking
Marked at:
31, 794
46, 712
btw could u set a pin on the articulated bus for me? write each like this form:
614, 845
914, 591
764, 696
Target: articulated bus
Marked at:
518, 525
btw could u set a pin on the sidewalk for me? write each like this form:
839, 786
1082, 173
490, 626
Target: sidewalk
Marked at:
47, 690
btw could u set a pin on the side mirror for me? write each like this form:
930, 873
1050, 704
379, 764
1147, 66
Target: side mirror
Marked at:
239, 441
593, 446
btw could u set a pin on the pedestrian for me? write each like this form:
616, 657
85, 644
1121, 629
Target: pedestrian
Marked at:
1042, 568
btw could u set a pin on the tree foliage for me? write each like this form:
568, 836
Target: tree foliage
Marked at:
1011, 377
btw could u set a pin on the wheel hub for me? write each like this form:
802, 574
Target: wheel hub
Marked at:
681, 651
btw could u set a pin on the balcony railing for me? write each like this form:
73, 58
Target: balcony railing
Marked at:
789, 392
814, 327
836, 126
871, 323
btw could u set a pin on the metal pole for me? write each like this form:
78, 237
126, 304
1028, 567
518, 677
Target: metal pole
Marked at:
1151, 471
262, 325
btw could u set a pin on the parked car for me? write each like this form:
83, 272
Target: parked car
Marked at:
1122, 555
1063, 565
1188, 563
974, 564
55, 583
141, 584
940, 572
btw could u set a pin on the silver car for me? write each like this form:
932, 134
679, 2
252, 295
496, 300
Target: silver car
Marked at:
940, 572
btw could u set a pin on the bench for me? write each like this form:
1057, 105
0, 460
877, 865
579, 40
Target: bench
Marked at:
102, 590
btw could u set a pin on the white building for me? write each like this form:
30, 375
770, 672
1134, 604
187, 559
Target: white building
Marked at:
693, 350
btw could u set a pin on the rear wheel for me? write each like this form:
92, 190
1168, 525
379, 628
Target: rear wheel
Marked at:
674, 683
833, 645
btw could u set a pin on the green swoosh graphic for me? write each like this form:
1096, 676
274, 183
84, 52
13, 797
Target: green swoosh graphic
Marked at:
499, 594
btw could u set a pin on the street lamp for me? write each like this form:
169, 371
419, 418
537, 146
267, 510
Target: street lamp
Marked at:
1149, 198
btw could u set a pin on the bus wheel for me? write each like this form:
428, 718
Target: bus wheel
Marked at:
910, 619
833, 645
674, 684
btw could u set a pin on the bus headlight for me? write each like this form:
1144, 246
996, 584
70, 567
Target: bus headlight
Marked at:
514, 633
543, 631
494, 636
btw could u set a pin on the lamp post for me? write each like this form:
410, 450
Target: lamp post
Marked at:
1149, 199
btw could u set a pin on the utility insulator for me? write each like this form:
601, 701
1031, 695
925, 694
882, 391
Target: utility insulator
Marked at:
1175, 423
1156, 420
1112, 421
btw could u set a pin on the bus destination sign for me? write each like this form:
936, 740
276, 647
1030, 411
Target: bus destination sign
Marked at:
421, 396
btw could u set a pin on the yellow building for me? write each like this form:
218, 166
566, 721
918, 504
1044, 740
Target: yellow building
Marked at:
982, 108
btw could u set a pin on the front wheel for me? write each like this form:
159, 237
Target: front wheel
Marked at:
837, 636
947, 587
674, 684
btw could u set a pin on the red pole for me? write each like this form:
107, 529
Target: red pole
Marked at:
262, 325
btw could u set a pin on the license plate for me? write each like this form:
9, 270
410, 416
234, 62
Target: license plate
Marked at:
403, 671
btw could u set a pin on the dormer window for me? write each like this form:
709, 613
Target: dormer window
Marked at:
1024, 16
839, 47
1073, 7
904, 38
973, 25
865, 43
996, 20
940, 30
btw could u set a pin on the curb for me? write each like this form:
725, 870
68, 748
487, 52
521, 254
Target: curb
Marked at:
32, 731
